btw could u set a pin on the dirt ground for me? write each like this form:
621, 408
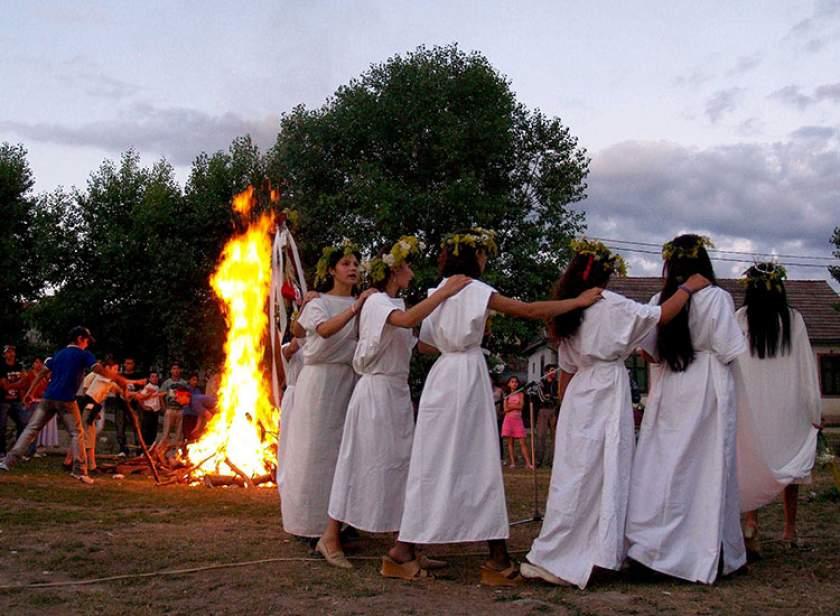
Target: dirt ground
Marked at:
54, 529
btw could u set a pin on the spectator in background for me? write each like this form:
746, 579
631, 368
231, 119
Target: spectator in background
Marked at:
547, 417
192, 410
119, 407
148, 399
175, 392
66, 367
13, 383
513, 428
48, 436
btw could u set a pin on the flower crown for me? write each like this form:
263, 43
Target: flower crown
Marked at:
769, 275
599, 252
476, 237
377, 267
322, 268
670, 251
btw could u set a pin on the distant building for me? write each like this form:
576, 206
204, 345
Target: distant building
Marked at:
815, 299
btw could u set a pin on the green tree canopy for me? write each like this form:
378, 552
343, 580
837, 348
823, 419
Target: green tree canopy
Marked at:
429, 142
19, 278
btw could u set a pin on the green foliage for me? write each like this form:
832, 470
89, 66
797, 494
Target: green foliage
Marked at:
427, 143
131, 256
19, 280
422, 144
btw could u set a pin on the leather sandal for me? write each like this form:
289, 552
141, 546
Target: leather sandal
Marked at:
430, 564
410, 570
500, 578
336, 559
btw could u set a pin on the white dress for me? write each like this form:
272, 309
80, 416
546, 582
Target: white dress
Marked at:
322, 392
455, 491
368, 489
293, 368
593, 450
684, 491
778, 401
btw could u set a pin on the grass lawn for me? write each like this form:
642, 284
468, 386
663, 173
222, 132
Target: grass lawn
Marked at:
55, 529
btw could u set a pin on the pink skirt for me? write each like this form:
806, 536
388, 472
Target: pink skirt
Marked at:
513, 426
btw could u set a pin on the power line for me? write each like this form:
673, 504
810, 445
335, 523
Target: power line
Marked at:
729, 252
658, 253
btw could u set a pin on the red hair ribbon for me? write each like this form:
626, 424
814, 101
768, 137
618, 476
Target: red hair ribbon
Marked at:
588, 268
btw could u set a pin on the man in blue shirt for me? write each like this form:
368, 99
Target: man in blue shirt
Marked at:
68, 368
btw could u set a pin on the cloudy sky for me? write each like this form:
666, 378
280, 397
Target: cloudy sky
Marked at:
714, 117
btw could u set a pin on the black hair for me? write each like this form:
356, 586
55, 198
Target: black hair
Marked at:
674, 338
465, 262
768, 316
337, 255
582, 273
109, 360
380, 285
509, 379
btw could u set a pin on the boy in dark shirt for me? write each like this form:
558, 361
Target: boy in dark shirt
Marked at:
67, 368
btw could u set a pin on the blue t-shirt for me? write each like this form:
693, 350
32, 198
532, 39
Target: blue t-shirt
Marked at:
68, 369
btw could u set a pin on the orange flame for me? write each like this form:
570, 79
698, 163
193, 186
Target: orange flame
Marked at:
241, 430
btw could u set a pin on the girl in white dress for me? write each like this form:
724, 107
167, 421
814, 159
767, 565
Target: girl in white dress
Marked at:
294, 363
455, 491
779, 410
683, 518
322, 392
590, 478
368, 489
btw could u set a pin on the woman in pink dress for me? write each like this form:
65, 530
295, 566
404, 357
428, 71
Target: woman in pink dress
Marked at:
512, 426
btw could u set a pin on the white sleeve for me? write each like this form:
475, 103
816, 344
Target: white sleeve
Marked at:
314, 313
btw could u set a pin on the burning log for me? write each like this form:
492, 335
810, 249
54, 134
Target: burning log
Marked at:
238, 471
218, 481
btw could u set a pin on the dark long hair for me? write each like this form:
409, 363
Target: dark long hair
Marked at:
674, 339
768, 315
582, 273
465, 262
337, 255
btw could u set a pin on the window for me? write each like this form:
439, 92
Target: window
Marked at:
830, 375
638, 371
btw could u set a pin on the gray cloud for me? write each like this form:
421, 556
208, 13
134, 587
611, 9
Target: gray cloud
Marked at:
793, 95
782, 197
693, 78
817, 31
745, 64
721, 102
175, 132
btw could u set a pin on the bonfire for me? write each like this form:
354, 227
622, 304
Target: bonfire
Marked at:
241, 438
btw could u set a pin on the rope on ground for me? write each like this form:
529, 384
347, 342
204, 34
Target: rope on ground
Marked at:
171, 572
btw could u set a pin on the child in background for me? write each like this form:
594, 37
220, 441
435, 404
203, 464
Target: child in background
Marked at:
48, 436
513, 427
96, 388
150, 405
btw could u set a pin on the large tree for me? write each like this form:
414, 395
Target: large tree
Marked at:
18, 275
835, 239
429, 142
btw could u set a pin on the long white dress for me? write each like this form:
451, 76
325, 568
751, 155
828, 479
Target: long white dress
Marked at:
778, 401
455, 491
684, 490
322, 392
293, 368
368, 489
593, 450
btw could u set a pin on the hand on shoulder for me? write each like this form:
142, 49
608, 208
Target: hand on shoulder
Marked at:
455, 283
